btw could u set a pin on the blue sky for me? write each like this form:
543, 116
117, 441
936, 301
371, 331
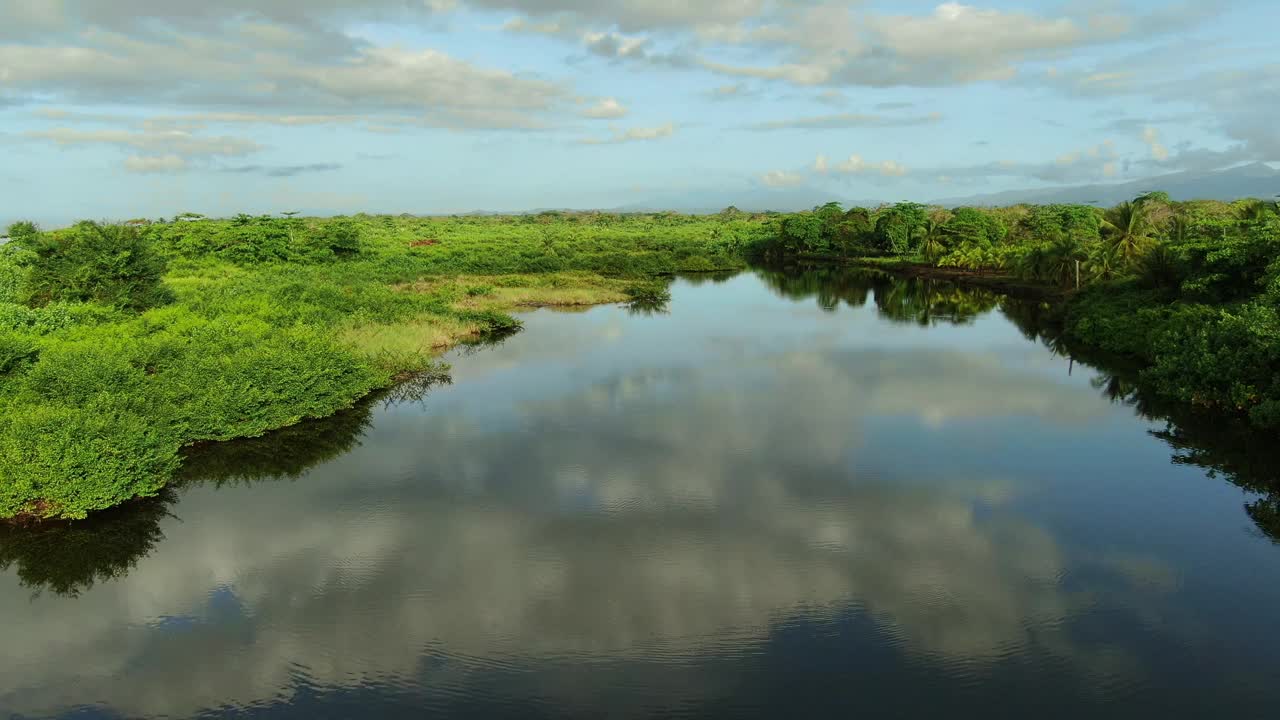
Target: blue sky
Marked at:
128, 108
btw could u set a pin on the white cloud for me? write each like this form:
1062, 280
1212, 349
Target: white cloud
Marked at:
160, 164
634, 134
847, 120
635, 15
781, 178
606, 109
229, 71
838, 44
169, 142
856, 165
615, 45
153, 150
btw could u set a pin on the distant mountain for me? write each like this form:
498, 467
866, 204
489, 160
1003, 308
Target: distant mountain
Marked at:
1257, 180
756, 199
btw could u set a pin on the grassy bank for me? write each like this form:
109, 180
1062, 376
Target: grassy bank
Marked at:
122, 344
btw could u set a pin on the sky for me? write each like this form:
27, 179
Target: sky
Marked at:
115, 109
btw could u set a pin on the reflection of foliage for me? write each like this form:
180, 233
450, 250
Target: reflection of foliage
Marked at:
1265, 513
649, 298
1225, 445
930, 302
284, 454
703, 278
68, 557
291, 452
922, 301
415, 389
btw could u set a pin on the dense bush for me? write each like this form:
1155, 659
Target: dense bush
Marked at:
112, 265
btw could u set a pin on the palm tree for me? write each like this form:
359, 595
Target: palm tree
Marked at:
1062, 258
1126, 230
1255, 211
1159, 268
931, 245
1032, 263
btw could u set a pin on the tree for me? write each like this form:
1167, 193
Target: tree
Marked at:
854, 232
1126, 232
1062, 260
1256, 211
898, 229
932, 242
802, 233
972, 227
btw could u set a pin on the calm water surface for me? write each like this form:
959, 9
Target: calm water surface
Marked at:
789, 495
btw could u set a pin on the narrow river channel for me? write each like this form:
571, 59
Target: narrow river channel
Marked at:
825, 493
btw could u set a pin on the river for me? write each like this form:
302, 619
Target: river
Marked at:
801, 494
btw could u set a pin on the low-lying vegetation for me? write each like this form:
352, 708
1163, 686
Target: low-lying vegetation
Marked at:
122, 344
1189, 289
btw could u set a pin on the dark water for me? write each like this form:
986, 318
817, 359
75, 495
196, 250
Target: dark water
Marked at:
789, 496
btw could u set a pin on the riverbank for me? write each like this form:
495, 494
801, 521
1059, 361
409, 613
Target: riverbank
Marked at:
215, 330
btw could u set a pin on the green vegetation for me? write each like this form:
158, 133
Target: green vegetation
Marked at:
120, 345
69, 558
1188, 290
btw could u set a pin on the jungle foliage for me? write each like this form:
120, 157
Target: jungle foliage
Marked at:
1189, 289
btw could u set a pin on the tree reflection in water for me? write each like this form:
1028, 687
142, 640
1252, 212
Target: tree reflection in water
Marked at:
70, 558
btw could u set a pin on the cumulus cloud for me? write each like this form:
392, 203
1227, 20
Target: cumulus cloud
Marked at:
856, 165
635, 15
615, 45
781, 178
606, 109
836, 44
152, 150
249, 67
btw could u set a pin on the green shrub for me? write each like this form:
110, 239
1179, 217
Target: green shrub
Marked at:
14, 268
59, 461
113, 265
341, 238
